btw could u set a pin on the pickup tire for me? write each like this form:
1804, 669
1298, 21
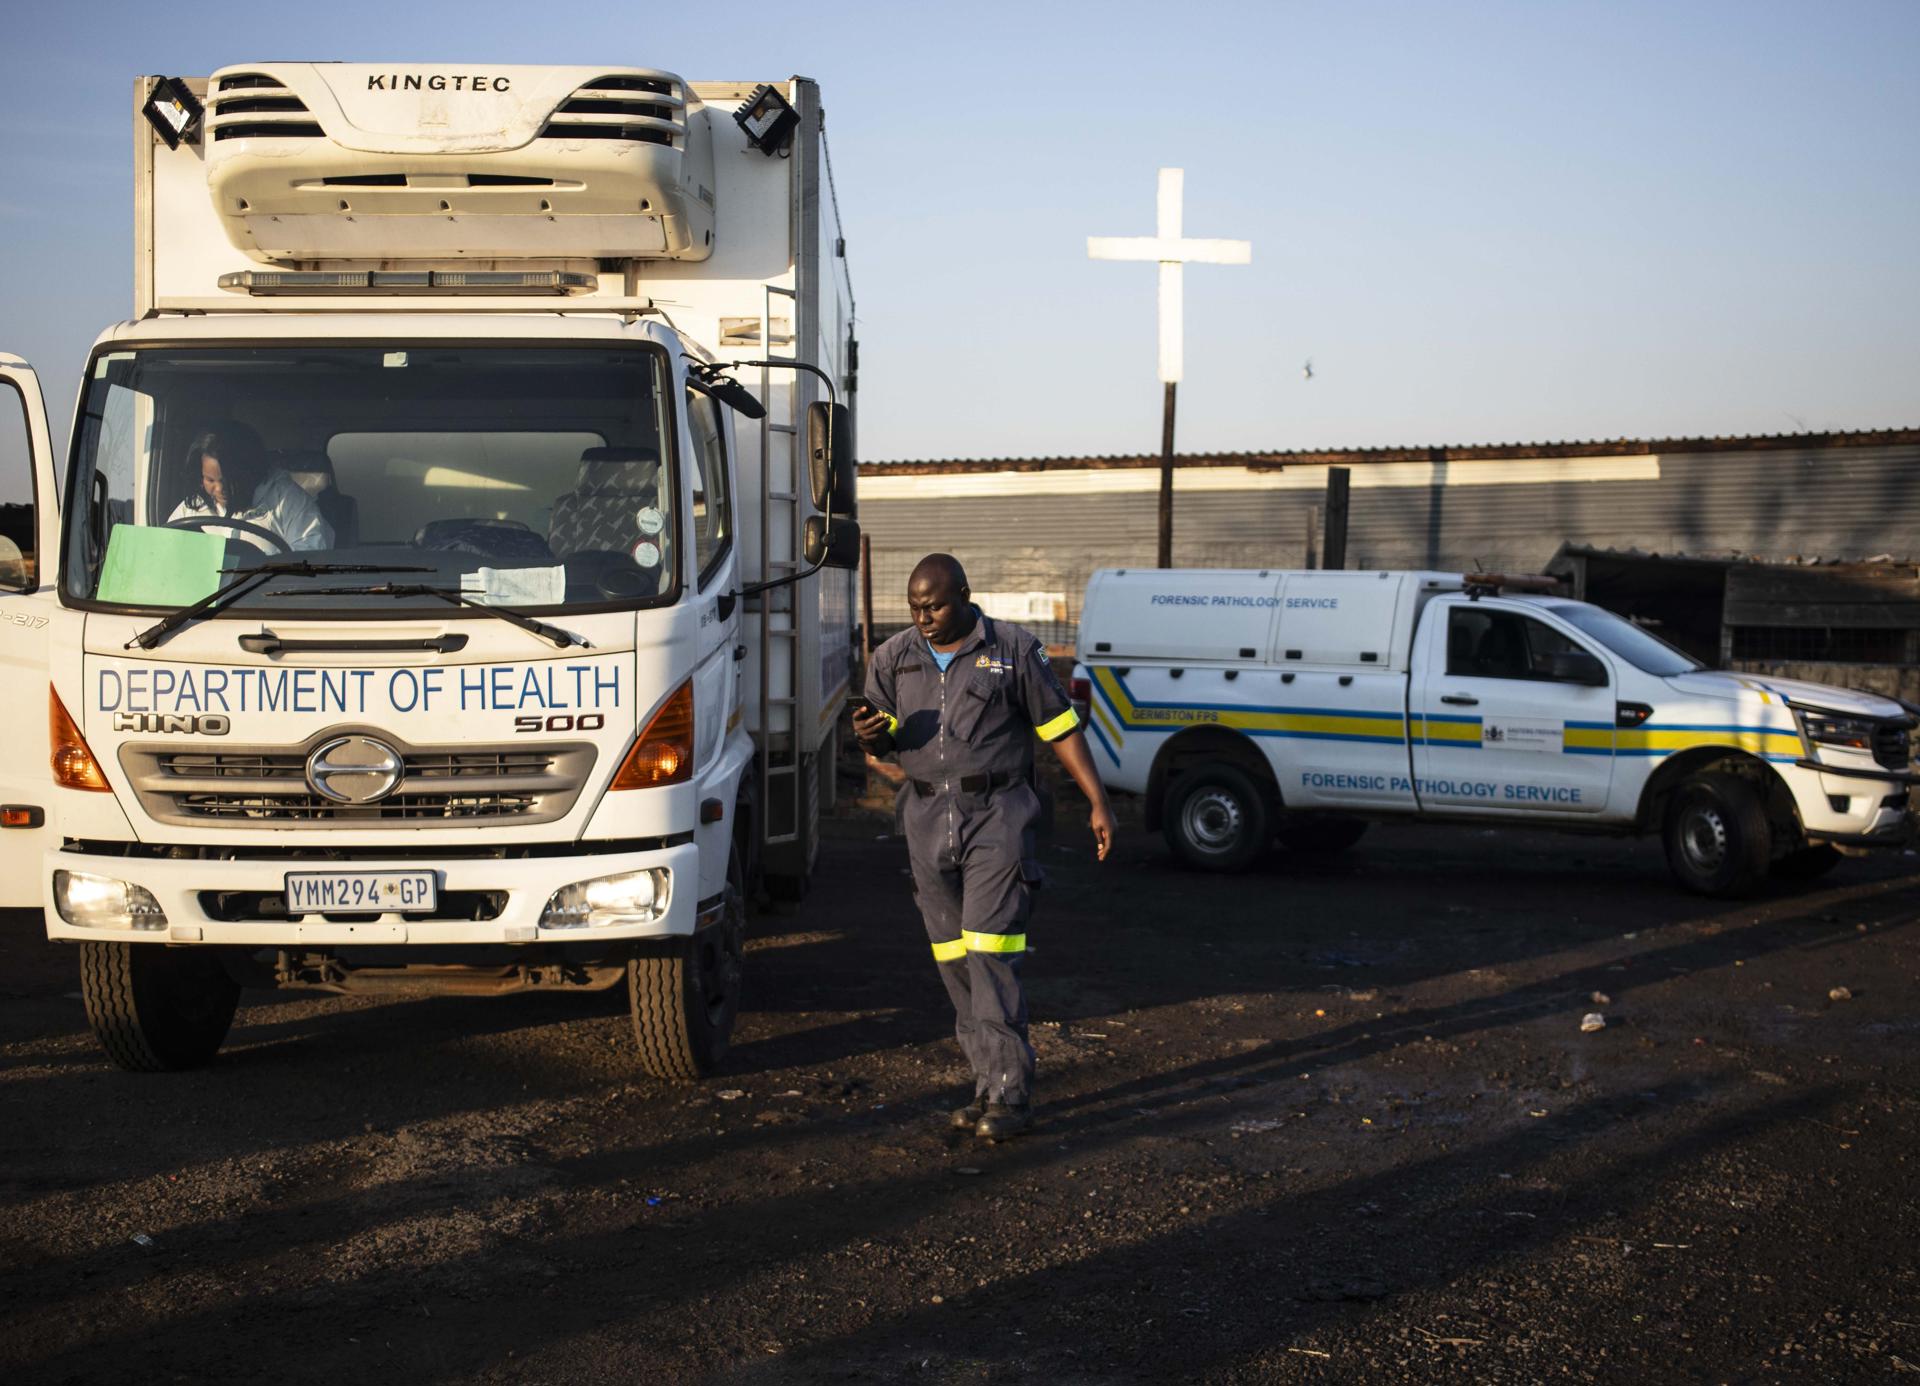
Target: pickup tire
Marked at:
1717, 837
684, 999
155, 1009
1317, 836
1806, 863
1216, 818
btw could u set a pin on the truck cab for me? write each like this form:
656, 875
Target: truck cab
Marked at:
427, 610
1302, 705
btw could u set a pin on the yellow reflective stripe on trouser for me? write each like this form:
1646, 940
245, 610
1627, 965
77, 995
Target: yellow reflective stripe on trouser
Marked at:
994, 943
1059, 726
951, 951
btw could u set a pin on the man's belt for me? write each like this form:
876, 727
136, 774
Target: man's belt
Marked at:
966, 784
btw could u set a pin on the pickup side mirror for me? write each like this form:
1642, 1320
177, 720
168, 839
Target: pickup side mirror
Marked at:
830, 464
1577, 666
838, 546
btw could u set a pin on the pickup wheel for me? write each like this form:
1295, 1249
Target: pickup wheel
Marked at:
155, 1008
684, 1000
1320, 837
1806, 863
1216, 818
1717, 838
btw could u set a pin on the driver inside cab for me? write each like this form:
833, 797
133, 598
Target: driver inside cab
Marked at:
236, 483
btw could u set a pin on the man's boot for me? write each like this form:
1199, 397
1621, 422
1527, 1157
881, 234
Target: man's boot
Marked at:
1002, 1121
968, 1117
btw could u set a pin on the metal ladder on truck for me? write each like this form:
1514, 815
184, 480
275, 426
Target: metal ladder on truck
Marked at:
783, 784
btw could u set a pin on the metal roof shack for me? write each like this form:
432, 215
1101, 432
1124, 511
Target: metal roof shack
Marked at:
1031, 530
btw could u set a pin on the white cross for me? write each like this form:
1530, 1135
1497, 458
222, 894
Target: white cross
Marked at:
1172, 252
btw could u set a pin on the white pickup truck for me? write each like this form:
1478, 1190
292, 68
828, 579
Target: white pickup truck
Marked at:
1245, 705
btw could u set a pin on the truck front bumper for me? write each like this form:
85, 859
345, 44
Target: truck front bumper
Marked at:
1854, 806
195, 896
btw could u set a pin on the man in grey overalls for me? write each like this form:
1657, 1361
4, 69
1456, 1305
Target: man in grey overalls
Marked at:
959, 697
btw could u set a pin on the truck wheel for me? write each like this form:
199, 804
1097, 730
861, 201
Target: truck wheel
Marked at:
1320, 837
1717, 838
1807, 863
1216, 818
684, 1001
155, 1008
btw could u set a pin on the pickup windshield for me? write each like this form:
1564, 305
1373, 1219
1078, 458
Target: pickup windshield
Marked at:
1641, 648
522, 476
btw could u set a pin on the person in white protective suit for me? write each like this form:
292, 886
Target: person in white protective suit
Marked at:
236, 483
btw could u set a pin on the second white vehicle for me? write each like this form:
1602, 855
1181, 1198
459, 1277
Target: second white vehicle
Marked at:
1246, 705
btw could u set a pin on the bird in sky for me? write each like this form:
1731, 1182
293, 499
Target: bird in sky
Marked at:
1308, 368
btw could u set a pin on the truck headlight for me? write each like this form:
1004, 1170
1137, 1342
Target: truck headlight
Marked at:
632, 897
1831, 729
100, 902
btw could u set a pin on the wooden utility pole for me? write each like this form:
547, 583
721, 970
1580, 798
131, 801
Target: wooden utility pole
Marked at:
1171, 251
1333, 550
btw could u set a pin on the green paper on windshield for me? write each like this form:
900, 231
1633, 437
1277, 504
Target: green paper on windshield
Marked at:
151, 566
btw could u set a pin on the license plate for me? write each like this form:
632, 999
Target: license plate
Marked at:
361, 892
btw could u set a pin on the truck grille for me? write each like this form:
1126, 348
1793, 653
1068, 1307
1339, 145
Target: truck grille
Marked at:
267, 787
1890, 744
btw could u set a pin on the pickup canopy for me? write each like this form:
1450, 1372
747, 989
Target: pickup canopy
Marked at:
1247, 616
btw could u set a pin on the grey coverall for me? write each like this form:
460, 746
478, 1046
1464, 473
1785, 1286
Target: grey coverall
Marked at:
965, 739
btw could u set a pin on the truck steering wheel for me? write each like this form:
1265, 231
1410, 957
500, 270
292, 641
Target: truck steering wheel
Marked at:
198, 522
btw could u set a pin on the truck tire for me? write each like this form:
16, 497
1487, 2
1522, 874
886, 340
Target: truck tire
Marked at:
1807, 863
1315, 836
154, 1008
1717, 839
1216, 818
684, 999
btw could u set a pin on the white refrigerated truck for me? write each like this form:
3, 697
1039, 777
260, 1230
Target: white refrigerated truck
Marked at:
500, 643
1246, 705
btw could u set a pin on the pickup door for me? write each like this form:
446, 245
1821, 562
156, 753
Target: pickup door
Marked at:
27, 530
1499, 725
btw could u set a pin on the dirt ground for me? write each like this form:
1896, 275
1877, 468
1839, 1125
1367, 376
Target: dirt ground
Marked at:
1328, 1122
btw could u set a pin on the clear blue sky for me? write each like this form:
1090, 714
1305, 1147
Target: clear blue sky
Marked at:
1483, 222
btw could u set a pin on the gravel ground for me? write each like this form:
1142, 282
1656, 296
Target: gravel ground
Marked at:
1329, 1121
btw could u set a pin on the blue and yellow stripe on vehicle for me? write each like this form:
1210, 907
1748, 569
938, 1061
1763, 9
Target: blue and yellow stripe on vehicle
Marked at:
1333, 724
1116, 708
1105, 734
1769, 743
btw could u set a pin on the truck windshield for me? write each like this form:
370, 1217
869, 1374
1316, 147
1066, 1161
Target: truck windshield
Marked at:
522, 476
1640, 648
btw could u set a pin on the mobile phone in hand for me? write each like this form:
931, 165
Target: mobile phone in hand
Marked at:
860, 707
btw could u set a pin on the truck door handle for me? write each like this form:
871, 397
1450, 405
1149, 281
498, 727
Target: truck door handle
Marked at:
1459, 700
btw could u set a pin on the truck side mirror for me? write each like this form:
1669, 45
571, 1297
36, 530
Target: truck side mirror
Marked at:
1577, 666
830, 464
838, 545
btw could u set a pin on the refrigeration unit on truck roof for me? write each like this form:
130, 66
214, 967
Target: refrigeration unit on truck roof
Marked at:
346, 161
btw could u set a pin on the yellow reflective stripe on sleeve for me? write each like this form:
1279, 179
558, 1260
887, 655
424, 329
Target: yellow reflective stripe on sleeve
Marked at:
893, 725
1059, 726
993, 943
950, 951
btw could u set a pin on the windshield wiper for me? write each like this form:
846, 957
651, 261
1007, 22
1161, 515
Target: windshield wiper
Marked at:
250, 578
562, 638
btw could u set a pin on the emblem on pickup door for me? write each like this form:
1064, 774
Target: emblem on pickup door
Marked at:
355, 770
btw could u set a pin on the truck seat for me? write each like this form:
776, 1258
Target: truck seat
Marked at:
314, 471
600, 513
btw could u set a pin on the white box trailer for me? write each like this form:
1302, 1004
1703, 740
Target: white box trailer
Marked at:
436, 600
1246, 705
